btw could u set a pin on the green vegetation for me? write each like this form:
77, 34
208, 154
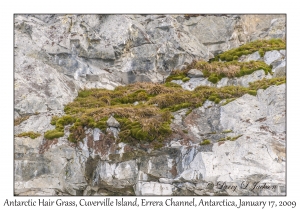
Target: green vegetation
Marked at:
149, 121
30, 134
230, 138
215, 71
260, 45
227, 131
265, 83
216, 68
205, 142
228, 101
177, 75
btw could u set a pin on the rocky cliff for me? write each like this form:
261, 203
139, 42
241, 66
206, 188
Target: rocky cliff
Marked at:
58, 55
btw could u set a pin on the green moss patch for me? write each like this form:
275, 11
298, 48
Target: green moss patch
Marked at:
205, 142
30, 134
261, 46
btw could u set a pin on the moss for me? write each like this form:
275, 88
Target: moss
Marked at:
185, 131
179, 106
265, 83
30, 134
52, 134
205, 142
213, 78
230, 138
228, 101
217, 100
172, 84
235, 138
54, 120
185, 79
260, 45
227, 131
252, 92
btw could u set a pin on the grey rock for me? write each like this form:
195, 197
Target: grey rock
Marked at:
56, 55
112, 122
194, 73
272, 56
252, 57
96, 134
240, 81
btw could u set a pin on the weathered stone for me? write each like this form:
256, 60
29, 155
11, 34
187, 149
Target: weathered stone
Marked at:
96, 134
272, 56
194, 73
252, 57
112, 122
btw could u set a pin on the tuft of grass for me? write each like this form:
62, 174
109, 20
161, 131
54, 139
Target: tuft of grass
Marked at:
185, 79
19, 120
205, 142
172, 84
261, 46
230, 138
265, 83
235, 138
30, 134
216, 70
227, 131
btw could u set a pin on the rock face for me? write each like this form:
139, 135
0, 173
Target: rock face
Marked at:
56, 55
183, 167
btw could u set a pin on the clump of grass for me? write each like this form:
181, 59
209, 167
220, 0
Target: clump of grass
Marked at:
265, 83
185, 79
205, 142
146, 122
172, 84
215, 71
30, 134
261, 46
